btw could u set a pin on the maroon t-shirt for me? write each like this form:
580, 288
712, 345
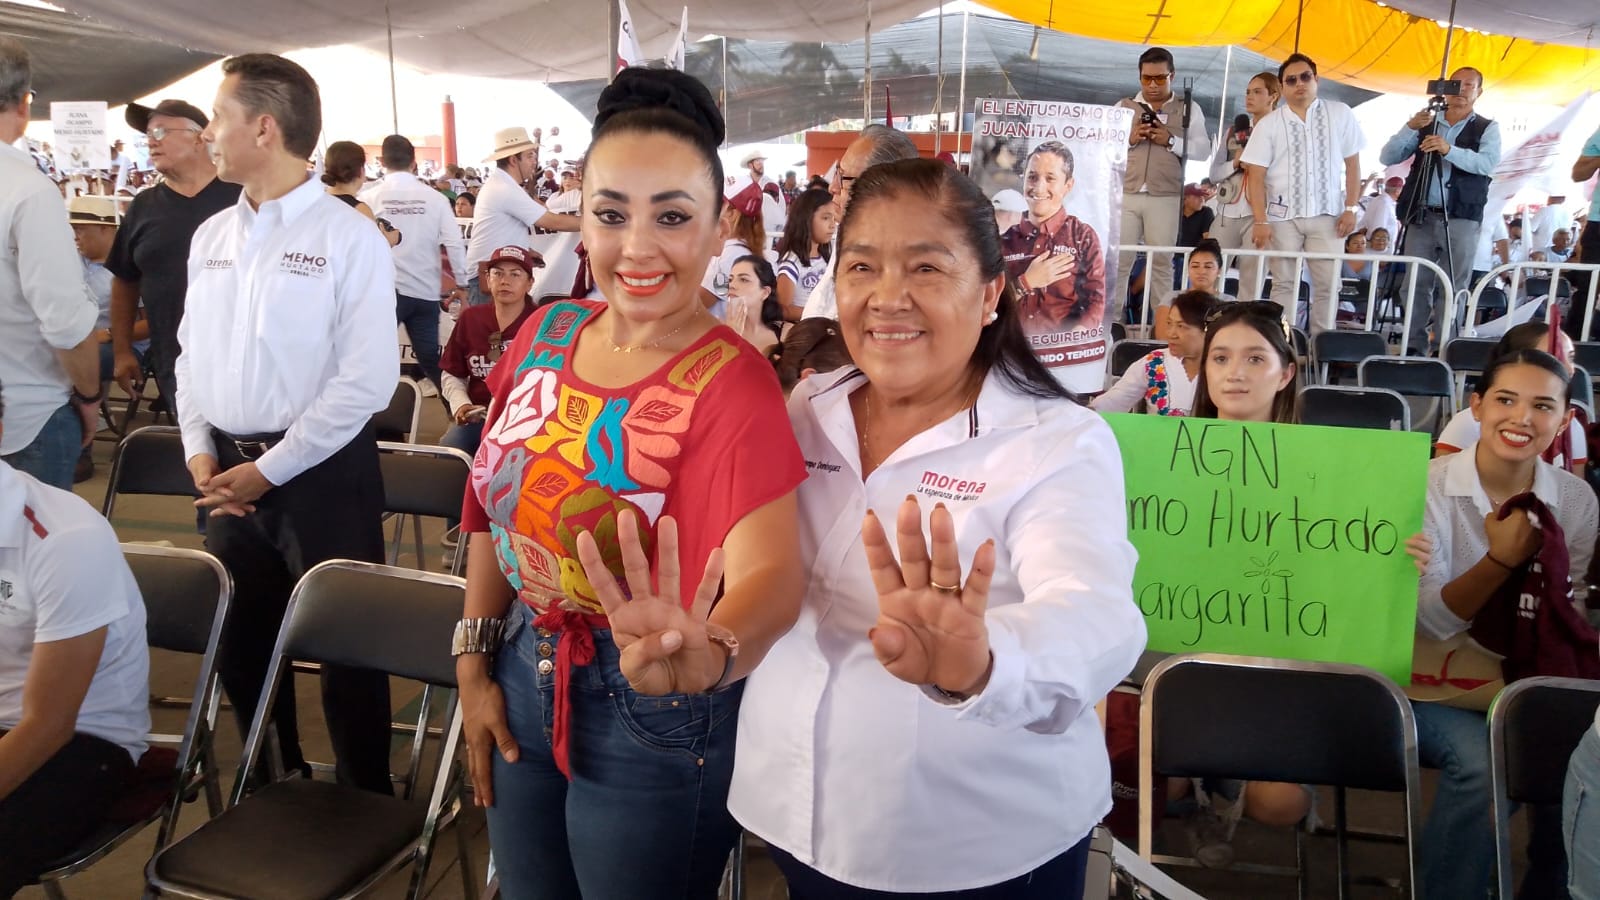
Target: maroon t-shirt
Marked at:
468, 354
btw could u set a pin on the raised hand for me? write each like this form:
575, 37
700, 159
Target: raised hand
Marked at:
664, 647
1046, 270
930, 627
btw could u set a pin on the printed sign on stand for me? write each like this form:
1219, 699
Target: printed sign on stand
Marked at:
81, 141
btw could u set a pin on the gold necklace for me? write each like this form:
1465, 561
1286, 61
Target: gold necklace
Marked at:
969, 399
618, 348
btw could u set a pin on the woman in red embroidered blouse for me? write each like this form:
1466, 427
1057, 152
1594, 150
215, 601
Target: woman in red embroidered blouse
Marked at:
601, 735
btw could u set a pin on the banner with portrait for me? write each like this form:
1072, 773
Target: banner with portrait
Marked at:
1065, 160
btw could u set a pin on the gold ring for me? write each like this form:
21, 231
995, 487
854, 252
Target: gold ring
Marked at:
944, 588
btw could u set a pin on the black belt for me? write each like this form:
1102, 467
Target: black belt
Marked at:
252, 446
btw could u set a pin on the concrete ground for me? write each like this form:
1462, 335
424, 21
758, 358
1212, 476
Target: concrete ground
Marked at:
120, 875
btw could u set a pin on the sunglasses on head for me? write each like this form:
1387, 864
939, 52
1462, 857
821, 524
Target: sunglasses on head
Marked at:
1238, 309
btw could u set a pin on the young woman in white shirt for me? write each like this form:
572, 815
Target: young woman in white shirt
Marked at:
925, 727
1205, 274
803, 251
1232, 228
1462, 430
1465, 554
1162, 381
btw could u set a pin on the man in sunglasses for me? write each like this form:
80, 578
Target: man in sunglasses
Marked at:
1304, 184
1151, 183
149, 260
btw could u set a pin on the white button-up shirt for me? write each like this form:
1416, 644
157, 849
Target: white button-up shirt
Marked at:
1304, 158
44, 305
504, 216
823, 304
867, 778
1453, 518
288, 326
426, 222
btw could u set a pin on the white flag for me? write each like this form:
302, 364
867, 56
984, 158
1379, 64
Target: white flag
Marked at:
679, 55
628, 53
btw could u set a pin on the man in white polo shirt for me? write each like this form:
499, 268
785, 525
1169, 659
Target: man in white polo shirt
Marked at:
288, 350
74, 674
49, 357
425, 216
1304, 185
505, 214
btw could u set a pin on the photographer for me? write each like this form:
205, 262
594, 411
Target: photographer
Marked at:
1157, 146
1442, 217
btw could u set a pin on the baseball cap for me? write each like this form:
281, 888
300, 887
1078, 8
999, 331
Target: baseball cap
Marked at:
1394, 181
1193, 190
92, 209
747, 200
138, 115
522, 256
1010, 201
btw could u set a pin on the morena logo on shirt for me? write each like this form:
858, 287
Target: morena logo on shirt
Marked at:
309, 264
949, 487
219, 263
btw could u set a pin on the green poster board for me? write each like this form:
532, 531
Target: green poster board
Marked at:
1285, 541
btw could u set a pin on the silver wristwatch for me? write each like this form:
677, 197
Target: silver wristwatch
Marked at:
478, 636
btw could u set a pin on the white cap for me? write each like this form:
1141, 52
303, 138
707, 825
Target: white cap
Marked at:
1009, 200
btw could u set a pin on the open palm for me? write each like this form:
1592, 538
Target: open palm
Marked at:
664, 647
930, 627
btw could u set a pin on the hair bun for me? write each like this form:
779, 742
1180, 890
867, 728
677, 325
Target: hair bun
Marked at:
637, 87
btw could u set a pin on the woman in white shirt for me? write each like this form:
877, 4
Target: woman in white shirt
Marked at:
803, 251
741, 221
917, 732
1163, 380
1232, 228
1205, 275
1465, 554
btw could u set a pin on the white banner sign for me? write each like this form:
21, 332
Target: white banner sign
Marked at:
81, 140
1065, 160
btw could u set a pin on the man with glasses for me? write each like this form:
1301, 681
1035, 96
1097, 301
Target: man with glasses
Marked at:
506, 213
149, 261
1304, 184
1446, 213
1151, 183
49, 358
877, 144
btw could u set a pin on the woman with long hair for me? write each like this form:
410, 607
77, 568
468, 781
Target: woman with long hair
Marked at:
1232, 228
753, 304
804, 249
1248, 366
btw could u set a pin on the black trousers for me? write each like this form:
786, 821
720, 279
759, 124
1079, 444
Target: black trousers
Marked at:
334, 510
1057, 879
58, 806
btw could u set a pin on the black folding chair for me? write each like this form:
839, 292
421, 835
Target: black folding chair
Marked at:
1125, 353
421, 480
1119, 332
1212, 715
1329, 348
399, 421
1354, 407
1422, 377
150, 461
317, 839
1581, 388
186, 596
1587, 354
1534, 725
1467, 357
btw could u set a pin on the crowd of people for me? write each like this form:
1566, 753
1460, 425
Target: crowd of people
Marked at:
802, 539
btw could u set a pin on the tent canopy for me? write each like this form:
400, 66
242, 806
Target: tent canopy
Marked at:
1394, 46
77, 60
777, 88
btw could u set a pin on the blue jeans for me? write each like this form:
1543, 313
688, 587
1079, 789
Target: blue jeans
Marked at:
1580, 819
421, 319
54, 451
475, 294
645, 814
1458, 835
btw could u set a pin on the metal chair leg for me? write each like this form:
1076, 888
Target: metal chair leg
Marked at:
1341, 842
52, 889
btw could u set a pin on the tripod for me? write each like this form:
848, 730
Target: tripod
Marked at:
1429, 176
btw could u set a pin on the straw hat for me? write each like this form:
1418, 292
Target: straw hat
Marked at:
510, 142
92, 209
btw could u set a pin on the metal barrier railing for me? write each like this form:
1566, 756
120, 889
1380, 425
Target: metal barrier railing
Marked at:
1406, 284
1514, 272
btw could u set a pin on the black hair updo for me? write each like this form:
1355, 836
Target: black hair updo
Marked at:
663, 101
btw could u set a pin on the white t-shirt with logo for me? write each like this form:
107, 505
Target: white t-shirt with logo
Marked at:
805, 277
62, 575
